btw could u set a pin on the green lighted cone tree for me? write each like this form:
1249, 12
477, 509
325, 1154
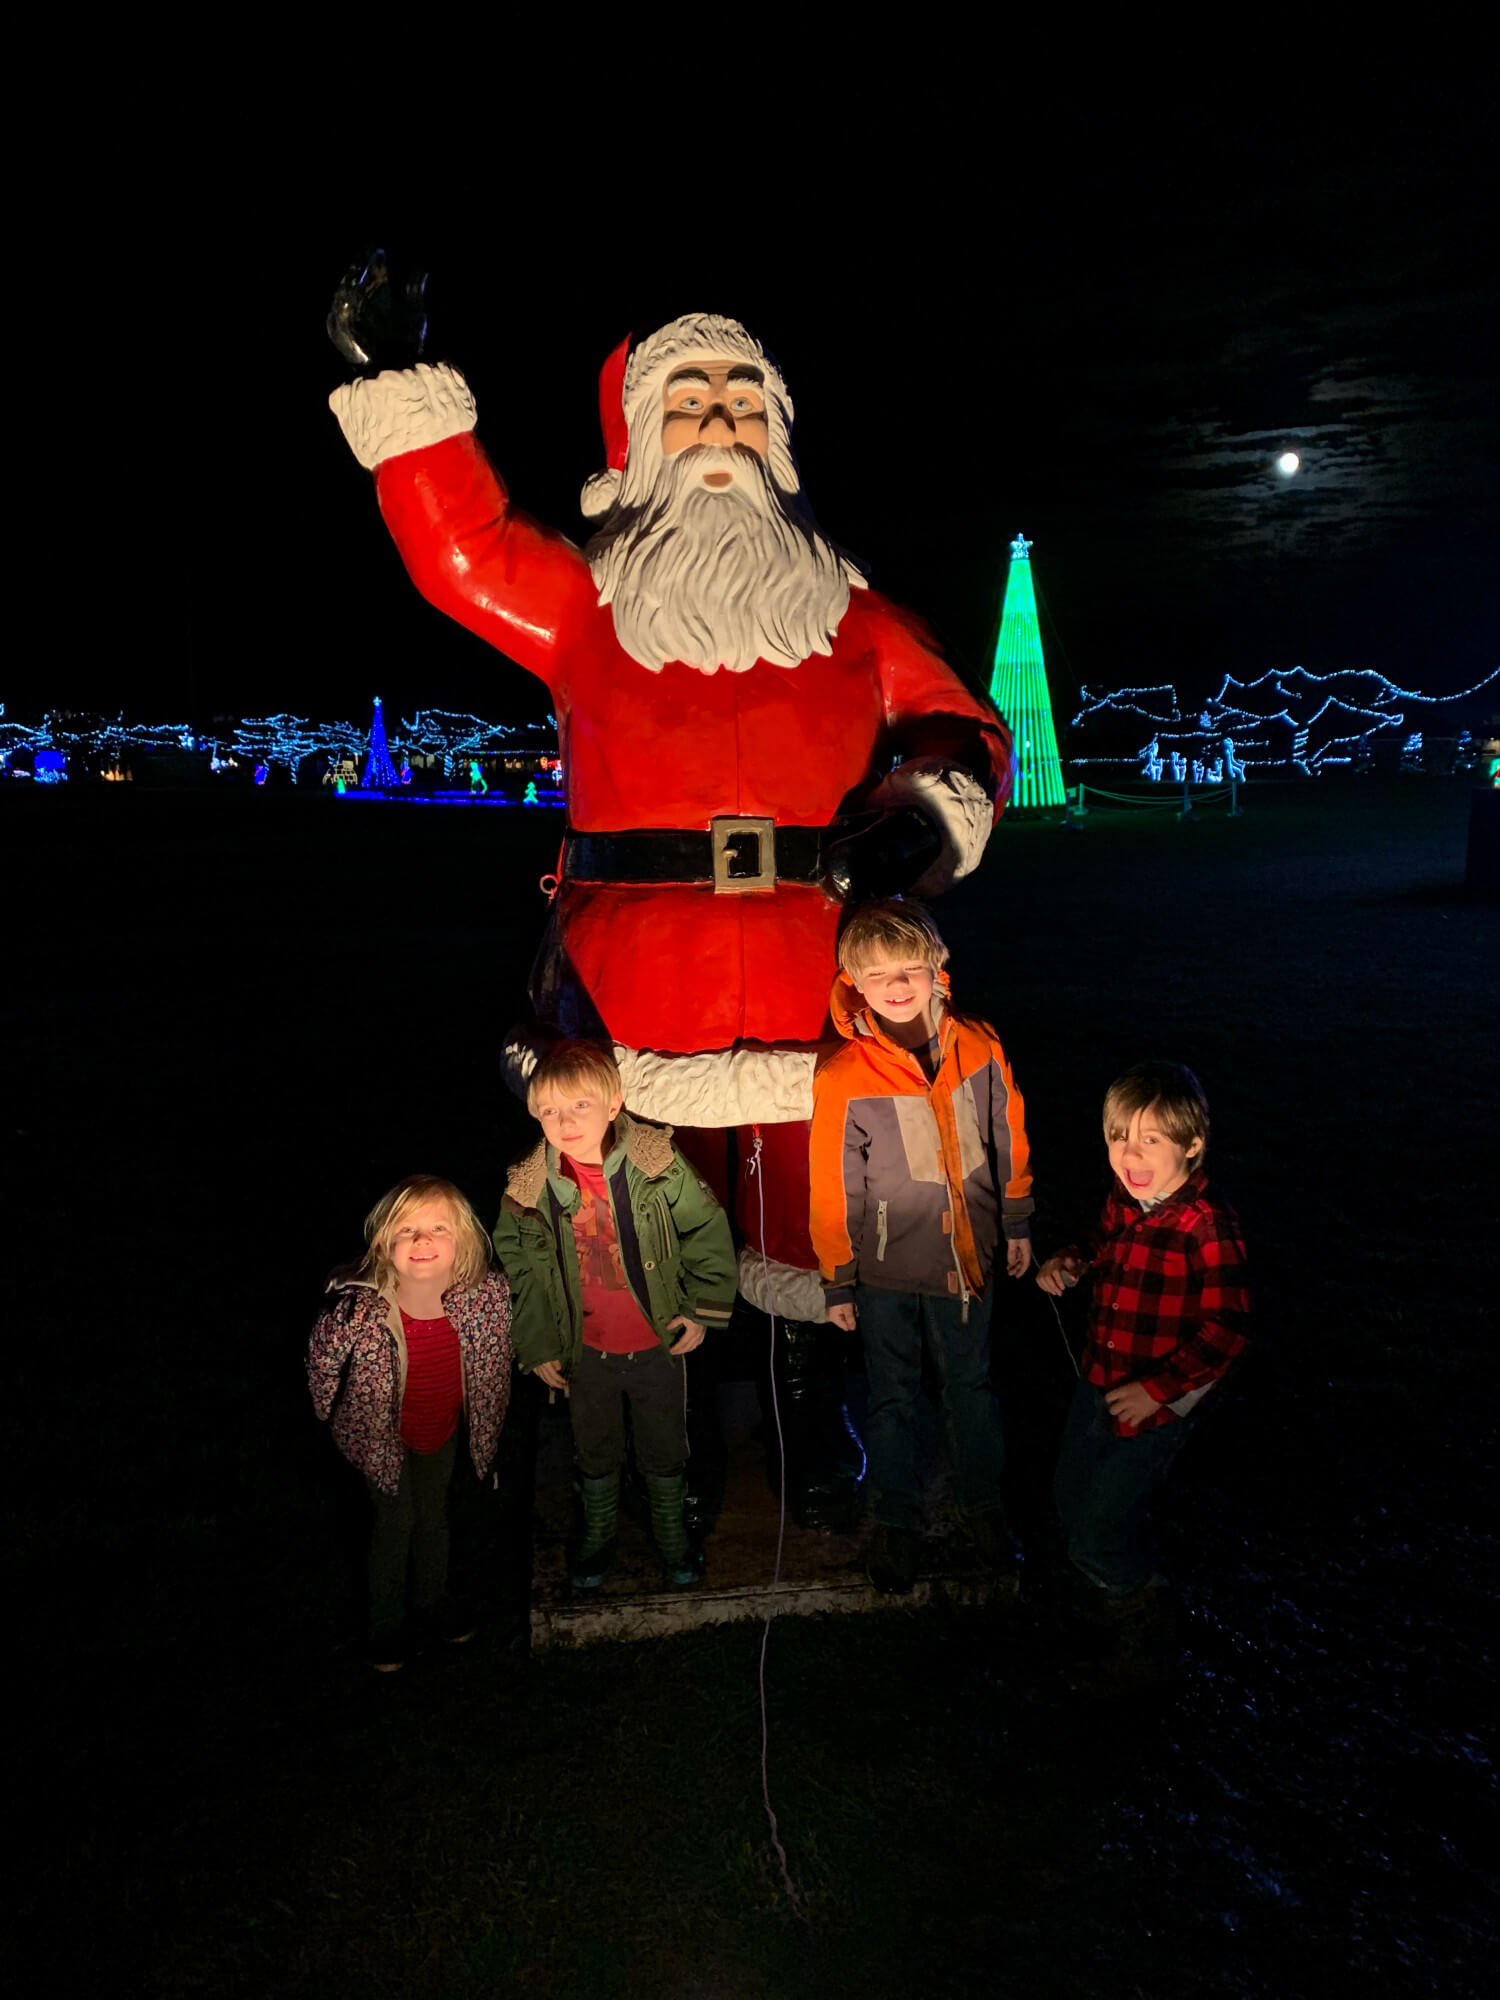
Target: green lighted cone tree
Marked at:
1018, 688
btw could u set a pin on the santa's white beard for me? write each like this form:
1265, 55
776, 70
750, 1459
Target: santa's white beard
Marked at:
718, 578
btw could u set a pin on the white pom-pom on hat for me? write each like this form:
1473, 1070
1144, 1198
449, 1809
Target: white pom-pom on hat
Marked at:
600, 491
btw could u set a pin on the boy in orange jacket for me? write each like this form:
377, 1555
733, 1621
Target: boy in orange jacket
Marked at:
920, 1167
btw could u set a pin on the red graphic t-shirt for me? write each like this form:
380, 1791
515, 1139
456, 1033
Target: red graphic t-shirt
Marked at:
434, 1383
612, 1321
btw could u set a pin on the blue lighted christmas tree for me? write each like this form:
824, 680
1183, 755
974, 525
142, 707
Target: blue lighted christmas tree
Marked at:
1019, 687
380, 772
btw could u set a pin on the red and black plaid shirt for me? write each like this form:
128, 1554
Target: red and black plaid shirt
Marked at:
1171, 1305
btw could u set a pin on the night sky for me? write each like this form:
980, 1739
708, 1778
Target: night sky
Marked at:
1099, 329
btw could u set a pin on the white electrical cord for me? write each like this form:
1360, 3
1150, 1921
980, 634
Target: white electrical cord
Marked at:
1063, 1335
754, 1170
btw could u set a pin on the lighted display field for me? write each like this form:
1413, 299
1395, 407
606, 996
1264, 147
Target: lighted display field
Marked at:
1018, 688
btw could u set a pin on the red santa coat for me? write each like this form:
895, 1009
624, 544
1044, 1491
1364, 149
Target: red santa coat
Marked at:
680, 966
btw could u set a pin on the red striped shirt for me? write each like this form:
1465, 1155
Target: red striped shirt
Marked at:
434, 1383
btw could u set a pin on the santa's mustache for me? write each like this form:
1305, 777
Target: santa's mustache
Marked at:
718, 576
680, 479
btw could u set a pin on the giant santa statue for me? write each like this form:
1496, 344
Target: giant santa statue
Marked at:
747, 732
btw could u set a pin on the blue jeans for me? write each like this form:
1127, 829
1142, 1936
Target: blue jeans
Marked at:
1103, 1486
894, 1327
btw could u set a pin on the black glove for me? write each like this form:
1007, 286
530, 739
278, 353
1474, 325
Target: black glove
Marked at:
881, 854
377, 320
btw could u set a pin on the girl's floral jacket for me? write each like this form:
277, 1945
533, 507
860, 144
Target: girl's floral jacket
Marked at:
356, 1369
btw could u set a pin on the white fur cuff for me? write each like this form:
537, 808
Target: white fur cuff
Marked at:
956, 803
402, 409
721, 1087
780, 1288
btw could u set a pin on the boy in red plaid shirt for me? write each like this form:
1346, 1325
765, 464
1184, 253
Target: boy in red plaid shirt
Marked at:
1168, 1319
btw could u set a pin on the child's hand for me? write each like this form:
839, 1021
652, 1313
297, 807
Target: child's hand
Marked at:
1057, 1274
551, 1373
842, 1316
1018, 1256
692, 1334
1132, 1402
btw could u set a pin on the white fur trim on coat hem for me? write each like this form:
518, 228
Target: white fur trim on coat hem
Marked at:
958, 805
402, 409
780, 1288
718, 1087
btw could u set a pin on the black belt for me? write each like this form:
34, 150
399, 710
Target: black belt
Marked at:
734, 854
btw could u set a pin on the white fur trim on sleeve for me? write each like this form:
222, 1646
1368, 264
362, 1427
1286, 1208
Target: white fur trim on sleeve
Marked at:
402, 409
955, 801
720, 1087
780, 1288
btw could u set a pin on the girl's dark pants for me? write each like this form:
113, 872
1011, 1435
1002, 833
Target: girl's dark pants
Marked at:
656, 1383
1103, 1488
409, 1539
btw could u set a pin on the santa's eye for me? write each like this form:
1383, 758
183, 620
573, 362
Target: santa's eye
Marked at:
742, 406
691, 403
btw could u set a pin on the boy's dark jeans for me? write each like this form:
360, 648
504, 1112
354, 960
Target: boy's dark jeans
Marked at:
410, 1534
656, 1383
1103, 1487
893, 1327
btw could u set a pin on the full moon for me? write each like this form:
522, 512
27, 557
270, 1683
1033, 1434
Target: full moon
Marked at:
1288, 463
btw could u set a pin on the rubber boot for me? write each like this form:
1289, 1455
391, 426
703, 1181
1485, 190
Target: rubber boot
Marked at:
668, 1492
596, 1548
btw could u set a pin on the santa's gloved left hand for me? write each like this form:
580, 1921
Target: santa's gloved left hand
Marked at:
882, 854
378, 320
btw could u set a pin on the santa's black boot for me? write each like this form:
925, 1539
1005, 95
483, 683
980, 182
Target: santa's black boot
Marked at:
822, 1459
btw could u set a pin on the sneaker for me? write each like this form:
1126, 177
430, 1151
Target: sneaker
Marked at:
387, 1654
1106, 1608
891, 1564
454, 1624
1140, 1654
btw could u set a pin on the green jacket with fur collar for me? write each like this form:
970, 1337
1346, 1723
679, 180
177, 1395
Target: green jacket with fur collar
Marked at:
674, 1243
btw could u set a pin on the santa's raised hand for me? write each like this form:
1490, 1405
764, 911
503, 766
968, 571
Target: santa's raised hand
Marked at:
378, 321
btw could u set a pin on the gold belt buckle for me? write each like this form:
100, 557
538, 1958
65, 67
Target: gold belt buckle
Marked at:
744, 852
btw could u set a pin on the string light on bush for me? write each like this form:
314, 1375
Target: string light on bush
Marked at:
1323, 720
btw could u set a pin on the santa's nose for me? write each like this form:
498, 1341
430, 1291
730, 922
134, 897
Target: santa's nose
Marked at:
717, 427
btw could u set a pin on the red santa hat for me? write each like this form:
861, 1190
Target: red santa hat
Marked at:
630, 386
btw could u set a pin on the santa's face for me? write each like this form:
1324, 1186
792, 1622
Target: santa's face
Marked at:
715, 403
707, 555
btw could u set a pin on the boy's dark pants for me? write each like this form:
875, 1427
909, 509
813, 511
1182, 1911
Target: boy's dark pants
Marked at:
1103, 1486
410, 1534
893, 1327
656, 1383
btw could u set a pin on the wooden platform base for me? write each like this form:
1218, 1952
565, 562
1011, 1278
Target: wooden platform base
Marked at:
818, 1572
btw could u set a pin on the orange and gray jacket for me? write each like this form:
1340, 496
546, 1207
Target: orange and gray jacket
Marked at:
913, 1182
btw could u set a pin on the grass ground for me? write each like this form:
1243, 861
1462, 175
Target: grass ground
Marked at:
237, 1021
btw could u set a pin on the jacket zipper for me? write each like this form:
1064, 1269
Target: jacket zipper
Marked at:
963, 1284
881, 1230
958, 1263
